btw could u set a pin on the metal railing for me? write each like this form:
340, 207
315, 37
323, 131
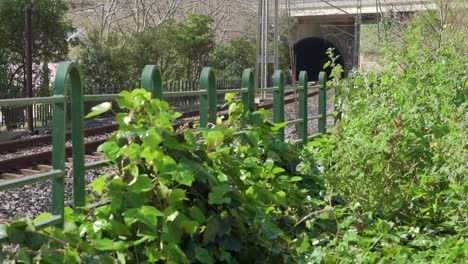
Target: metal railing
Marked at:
15, 117
151, 80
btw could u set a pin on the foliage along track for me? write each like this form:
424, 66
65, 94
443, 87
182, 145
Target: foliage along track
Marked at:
37, 162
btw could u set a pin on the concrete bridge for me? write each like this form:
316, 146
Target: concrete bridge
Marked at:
336, 24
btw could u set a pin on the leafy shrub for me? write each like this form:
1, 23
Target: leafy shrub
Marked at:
395, 165
402, 140
178, 199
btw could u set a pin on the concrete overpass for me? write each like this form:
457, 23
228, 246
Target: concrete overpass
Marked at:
336, 23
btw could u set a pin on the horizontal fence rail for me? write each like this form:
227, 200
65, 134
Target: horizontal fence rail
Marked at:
14, 116
207, 94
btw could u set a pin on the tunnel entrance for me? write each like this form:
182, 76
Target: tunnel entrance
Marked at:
311, 56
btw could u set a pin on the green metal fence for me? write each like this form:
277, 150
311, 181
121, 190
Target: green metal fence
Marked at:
151, 80
15, 117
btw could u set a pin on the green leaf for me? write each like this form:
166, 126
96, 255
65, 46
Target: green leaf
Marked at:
189, 226
197, 214
141, 183
151, 211
232, 108
278, 170
99, 225
108, 244
177, 195
229, 97
99, 109
22, 257
167, 164
152, 138
98, 185
190, 138
145, 214
118, 228
216, 195
212, 230
172, 216
295, 179
42, 217
280, 197
203, 256
184, 176
121, 258
250, 162
278, 126
71, 256
111, 149
126, 100
213, 138
131, 216
175, 254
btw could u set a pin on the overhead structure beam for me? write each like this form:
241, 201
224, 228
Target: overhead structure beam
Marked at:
334, 6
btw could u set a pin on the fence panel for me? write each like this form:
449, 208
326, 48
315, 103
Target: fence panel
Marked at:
151, 81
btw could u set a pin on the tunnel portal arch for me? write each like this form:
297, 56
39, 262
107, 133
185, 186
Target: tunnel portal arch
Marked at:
311, 55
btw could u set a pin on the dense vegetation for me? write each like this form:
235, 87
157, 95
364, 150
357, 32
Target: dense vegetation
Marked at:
396, 164
112, 52
51, 32
387, 185
177, 199
172, 46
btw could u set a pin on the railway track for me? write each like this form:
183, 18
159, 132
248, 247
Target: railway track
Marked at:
27, 165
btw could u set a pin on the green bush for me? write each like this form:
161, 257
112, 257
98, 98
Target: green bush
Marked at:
395, 165
177, 199
402, 140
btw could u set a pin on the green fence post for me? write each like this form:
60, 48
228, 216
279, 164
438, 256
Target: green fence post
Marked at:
303, 113
77, 115
248, 98
207, 101
59, 111
151, 80
322, 103
278, 100
65, 70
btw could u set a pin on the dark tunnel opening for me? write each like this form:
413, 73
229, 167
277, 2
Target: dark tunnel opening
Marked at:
311, 56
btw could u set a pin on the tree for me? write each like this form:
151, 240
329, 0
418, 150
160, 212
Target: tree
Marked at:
180, 50
50, 39
156, 45
231, 58
105, 65
105, 17
50, 34
196, 39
